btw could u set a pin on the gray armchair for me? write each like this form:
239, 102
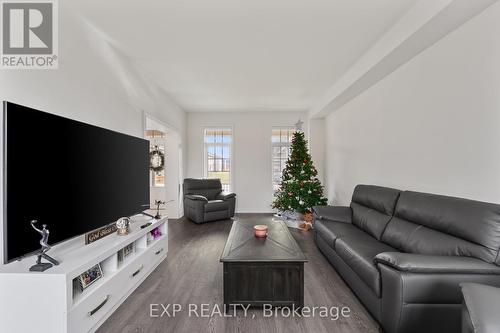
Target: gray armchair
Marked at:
204, 200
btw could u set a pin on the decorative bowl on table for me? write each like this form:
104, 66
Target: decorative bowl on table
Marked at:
260, 230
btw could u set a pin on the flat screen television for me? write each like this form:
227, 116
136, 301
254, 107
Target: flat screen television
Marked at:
72, 176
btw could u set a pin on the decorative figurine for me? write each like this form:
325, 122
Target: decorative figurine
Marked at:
123, 226
42, 266
158, 203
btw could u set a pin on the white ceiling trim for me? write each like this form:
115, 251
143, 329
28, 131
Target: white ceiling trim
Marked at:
427, 22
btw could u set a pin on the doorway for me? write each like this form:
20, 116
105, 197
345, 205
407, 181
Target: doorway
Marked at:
166, 166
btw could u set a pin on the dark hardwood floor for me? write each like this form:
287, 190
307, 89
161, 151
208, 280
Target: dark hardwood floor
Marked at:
192, 273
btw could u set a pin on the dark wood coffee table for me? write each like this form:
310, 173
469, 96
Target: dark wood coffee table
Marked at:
260, 271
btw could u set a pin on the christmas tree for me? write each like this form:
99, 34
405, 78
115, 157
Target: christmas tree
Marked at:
300, 188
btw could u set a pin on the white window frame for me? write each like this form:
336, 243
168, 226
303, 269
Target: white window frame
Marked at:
278, 144
231, 157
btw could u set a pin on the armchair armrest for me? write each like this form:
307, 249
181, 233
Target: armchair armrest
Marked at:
196, 197
421, 263
225, 195
334, 213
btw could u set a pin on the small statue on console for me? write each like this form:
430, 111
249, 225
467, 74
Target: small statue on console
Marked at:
158, 203
42, 266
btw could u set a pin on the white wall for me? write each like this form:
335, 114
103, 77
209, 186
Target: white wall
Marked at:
95, 84
251, 152
316, 138
433, 125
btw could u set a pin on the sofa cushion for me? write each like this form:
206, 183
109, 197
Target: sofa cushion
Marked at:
196, 197
423, 263
216, 205
210, 194
216, 215
382, 199
373, 207
333, 213
358, 251
209, 188
435, 224
414, 238
331, 230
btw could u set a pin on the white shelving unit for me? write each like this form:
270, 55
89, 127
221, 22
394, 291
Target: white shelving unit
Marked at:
51, 301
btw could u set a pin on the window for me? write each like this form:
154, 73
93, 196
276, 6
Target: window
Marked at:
218, 155
281, 140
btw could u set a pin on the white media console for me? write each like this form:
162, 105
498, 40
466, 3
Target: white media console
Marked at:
52, 302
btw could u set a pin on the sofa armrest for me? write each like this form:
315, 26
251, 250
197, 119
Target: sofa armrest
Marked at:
480, 311
196, 197
414, 285
230, 198
333, 213
421, 263
225, 195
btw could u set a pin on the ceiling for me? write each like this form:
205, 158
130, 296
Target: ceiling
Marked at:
244, 55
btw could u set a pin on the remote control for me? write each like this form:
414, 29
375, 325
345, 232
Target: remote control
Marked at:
146, 225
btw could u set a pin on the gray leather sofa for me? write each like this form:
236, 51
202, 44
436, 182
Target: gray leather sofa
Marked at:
204, 200
404, 254
480, 308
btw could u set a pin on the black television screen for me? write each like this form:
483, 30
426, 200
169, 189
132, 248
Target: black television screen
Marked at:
72, 176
